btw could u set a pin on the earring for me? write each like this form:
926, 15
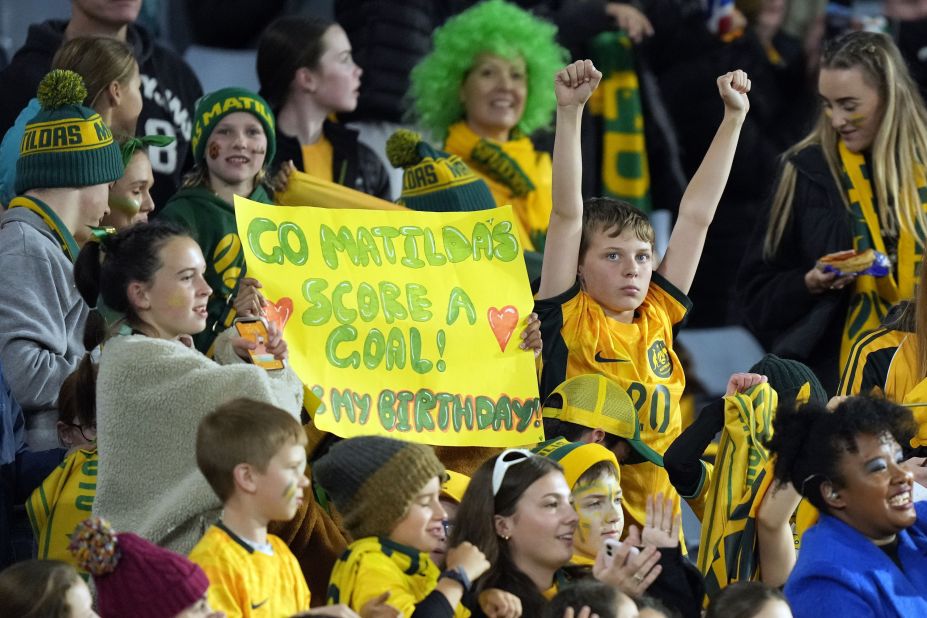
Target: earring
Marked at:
504, 537
833, 495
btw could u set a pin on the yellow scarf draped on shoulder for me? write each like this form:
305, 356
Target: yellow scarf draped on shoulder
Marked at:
516, 173
742, 474
873, 296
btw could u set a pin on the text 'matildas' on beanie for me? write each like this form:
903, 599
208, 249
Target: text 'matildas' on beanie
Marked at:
433, 180
66, 144
135, 577
213, 107
372, 480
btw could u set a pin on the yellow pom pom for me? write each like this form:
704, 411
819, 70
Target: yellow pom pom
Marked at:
402, 148
59, 88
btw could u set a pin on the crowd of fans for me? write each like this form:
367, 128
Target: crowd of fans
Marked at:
149, 467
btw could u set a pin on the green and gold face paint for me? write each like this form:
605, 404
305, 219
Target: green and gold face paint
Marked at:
290, 491
598, 505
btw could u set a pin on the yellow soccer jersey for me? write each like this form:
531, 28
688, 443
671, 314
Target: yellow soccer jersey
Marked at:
902, 375
63, 500
371, 566
580, 339
869, 362
246, 582
697, 500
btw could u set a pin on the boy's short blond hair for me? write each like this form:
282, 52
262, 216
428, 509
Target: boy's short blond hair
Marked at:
613, 216
242, 431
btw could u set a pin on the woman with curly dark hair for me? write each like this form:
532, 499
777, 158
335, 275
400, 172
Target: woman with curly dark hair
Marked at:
866, 554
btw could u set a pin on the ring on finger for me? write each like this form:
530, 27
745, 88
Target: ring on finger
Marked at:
638, 577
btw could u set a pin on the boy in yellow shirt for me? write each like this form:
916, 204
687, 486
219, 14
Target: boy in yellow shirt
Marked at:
65, 497
388, 493
253, 455
603, 307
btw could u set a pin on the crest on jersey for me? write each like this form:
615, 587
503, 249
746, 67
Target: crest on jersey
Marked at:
659, 357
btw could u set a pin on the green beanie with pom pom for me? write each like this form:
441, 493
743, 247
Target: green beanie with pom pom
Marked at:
433, 180
66, 144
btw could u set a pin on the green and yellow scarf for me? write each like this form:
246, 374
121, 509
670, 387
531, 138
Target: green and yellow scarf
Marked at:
617, 101
516, 174
873, 296
742, 474
52, 220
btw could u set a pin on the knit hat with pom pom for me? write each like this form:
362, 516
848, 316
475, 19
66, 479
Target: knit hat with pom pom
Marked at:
434, 180
66, 144
135, 577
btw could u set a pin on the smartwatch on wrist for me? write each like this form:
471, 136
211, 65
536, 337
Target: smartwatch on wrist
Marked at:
458, 575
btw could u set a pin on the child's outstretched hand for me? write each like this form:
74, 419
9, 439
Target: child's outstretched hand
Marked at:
661, 528
734, 87
575, 83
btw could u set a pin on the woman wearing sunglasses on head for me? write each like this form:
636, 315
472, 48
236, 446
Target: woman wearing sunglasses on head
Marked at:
517, 511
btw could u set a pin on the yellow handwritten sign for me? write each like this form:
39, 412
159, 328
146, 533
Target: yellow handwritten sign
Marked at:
404, 324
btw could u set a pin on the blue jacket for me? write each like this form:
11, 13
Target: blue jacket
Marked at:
9, 151
841, 573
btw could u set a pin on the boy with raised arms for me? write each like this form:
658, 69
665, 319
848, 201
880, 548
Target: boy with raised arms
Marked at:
603, 307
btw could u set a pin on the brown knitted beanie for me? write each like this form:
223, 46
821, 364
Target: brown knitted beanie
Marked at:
372, 480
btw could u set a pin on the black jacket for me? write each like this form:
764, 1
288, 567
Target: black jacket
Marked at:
786, 318
780, 115
354, 165
169, 93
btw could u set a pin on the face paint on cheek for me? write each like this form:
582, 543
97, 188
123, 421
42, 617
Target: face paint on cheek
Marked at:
260, 150
176, 301
290, 492
125, 205
583, 526
213, 151
857, 120
600, 517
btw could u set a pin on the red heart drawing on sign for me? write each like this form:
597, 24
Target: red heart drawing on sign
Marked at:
503, 322
279, 312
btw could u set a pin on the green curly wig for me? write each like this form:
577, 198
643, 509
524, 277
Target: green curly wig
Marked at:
494, 27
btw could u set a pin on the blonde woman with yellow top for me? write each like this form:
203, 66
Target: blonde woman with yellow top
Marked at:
481, 91
856, 182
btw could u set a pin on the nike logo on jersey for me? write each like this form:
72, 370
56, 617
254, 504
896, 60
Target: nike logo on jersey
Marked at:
254, 606
601, 359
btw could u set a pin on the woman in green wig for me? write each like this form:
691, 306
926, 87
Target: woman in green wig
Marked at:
482, 90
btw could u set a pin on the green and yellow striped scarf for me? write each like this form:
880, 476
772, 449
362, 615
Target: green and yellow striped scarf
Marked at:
873, 296
625, 172
742, 473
